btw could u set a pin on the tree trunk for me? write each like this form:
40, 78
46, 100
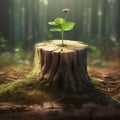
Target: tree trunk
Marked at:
62, 67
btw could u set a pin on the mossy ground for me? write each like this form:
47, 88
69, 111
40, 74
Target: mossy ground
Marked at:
28, 89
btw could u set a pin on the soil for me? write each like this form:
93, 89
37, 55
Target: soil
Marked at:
109, 79
99, 106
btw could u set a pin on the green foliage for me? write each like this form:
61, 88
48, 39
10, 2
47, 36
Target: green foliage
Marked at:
6, 58
68, 26
19, 53
17, 57
94, 50
61, 26
3, 43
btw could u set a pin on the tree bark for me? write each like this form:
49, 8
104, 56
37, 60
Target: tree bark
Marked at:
62, 67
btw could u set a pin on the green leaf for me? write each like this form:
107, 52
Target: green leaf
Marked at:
52, 23
68, 26
55, 30
59, 21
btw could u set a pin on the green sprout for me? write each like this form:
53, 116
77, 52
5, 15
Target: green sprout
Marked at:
61, 25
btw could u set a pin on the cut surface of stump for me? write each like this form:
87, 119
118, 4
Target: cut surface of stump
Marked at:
62, 67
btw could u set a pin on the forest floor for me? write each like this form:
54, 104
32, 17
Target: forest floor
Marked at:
102, 105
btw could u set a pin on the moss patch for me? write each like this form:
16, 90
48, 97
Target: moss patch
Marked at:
23, 90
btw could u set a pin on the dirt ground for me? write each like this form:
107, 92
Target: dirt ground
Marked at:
95, 108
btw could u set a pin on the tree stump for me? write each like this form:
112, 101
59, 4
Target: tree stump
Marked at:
62, 67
